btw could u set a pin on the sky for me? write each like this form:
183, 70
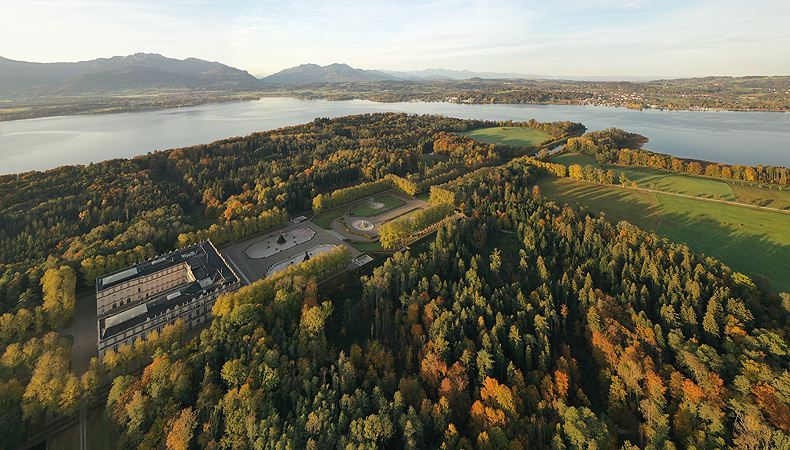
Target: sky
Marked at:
578, 38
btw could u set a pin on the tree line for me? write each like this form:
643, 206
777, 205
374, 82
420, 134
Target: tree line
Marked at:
612, 146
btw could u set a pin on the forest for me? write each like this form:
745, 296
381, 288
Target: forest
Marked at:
526, 325
520, 324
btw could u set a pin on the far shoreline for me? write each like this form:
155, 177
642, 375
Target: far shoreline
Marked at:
104, 105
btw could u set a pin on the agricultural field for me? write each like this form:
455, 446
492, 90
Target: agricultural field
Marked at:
569, 159
746, 239
515, 136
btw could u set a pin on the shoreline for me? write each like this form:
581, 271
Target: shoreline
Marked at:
87, 108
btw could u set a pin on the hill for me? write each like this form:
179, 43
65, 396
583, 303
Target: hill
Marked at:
119, 73
333, 73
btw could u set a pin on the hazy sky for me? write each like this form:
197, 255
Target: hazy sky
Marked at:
561, 37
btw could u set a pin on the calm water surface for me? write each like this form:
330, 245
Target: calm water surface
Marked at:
39, 144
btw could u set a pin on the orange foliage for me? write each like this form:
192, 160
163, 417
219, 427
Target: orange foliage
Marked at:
433, 369
561, 384
715, 391
482, 417
778, 413
605, 347
428, 316
693, 393
493, 393
655, 386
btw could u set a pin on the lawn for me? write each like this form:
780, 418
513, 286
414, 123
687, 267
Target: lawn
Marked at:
650, 178
367, 246
746, 239
429, 159
68, 439
365, 210
515, 136
100, 433
569, 159
616, 202
323, 218
773, 198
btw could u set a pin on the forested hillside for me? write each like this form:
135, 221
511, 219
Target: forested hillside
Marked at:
525, 325
521, 324
61, 228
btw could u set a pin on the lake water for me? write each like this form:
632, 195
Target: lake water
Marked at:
38, 144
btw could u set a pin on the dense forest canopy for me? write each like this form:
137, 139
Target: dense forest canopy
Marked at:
519, 324
526, 325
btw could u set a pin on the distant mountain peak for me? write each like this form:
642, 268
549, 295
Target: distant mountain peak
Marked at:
138, 71
332, 73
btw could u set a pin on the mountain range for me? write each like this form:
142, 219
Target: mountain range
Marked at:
150, 71
141, 71
343, 73
333, 73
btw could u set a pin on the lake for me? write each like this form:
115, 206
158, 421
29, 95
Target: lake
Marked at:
749, 138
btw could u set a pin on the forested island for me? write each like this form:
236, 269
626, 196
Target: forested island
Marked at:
520, 322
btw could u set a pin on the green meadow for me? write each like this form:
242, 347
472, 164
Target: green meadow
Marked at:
772, 198
616, 202
514, 136
660, 180
747, 239
569, 159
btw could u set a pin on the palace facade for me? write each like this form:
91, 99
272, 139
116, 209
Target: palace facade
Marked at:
132, 302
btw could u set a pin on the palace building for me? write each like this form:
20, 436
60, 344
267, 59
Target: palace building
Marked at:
184, 284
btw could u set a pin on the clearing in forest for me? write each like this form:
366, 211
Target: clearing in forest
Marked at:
514, 136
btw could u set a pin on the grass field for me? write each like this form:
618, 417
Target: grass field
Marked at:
515, 136
773, 198
746, 239
66, 440
364, 210
649, 178
100, 433
616, 202
367, 246
569, 159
